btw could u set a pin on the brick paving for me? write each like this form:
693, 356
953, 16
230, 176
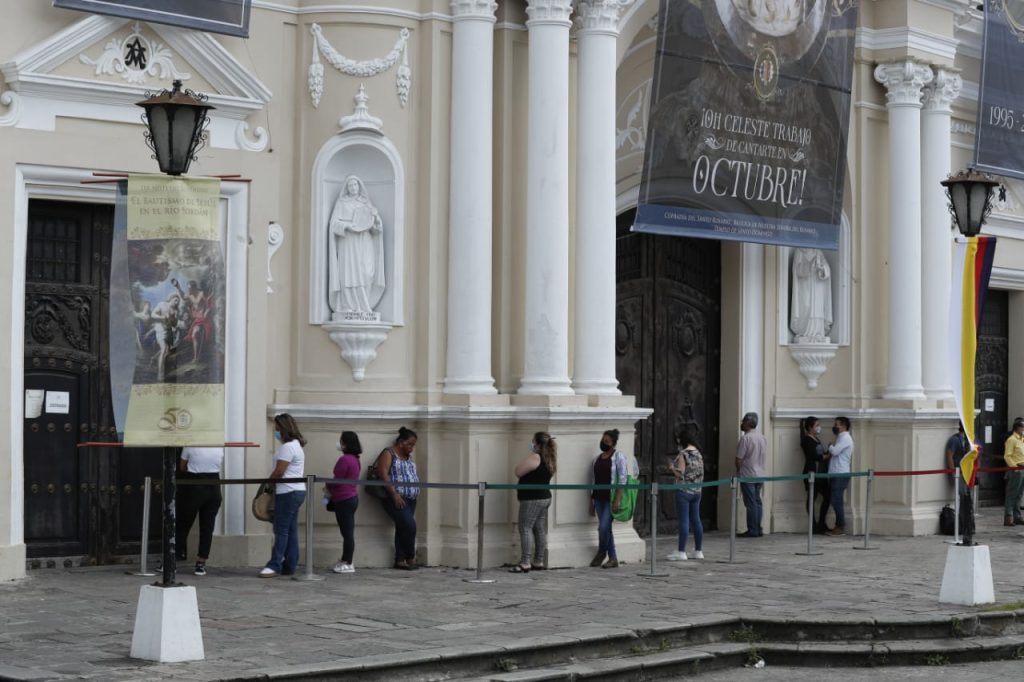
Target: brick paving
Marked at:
77, 623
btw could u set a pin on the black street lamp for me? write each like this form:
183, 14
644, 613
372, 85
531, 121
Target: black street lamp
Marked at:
970, 199
176, 123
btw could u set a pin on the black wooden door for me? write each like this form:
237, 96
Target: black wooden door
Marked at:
667, 354
78, 501
991, 369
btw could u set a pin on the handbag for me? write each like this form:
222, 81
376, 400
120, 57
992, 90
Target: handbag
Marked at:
627, 504
378, 491
263, 503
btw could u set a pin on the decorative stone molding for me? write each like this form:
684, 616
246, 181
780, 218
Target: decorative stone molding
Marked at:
944, 88
360, 69
632, 137
903, 82
600, 16
358, 342
549, 12
473, 9
135, 57
812, 359
360, 118
243, 141
38, 96
962, 127
275, 238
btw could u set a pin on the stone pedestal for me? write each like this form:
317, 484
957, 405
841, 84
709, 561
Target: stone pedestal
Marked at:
967, 578
358, 340
167, 625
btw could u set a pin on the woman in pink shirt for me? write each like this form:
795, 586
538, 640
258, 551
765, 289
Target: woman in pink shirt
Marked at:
345, 497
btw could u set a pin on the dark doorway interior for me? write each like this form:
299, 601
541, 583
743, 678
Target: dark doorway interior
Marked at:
991, 369
668, 325
79, 502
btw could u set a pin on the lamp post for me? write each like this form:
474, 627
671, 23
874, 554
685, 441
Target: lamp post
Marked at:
176, 123
970, 203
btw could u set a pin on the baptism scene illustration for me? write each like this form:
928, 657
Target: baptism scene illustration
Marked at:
177, 292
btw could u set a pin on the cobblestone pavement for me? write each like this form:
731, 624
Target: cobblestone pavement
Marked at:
78, 622
995, 671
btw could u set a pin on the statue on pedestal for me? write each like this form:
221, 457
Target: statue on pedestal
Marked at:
811, 301
356, 251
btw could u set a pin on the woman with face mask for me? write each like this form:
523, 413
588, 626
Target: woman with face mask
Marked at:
345, 497
289, 462
536, 468
608, 468
813, 449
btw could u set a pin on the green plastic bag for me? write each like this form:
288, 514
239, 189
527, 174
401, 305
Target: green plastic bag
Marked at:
628, 502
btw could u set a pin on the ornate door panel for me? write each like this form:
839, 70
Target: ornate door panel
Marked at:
668, 327
991, 371
75, 498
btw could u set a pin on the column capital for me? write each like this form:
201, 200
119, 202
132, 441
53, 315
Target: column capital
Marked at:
944, 88
903, 81
549, 12
600, 16
473, 9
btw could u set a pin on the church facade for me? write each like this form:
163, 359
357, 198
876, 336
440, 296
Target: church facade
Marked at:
488, 155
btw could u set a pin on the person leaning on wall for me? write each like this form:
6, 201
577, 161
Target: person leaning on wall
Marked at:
396, 466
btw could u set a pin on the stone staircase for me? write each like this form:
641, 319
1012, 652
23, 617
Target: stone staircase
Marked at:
663, 650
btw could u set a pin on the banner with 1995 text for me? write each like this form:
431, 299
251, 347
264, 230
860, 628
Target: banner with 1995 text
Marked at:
999, 141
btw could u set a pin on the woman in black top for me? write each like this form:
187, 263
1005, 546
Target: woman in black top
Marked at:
813, 450
537, 467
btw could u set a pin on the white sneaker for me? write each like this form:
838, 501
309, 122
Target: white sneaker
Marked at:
267, 572
677, 556
347, 568
339, 567
698, 554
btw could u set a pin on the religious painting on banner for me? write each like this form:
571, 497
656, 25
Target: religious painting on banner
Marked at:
972, 267
176, 281
748, 124
999, 139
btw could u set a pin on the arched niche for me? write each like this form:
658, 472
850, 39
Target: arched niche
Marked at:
376, 161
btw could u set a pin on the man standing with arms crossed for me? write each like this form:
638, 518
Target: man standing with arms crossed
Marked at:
750, 456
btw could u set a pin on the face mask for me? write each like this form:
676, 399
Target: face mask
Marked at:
277, 435
817, 429
605, 447
835, 430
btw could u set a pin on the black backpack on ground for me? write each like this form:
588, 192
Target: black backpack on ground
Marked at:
947, 521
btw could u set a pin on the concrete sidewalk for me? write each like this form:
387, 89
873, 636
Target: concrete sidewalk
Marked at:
77, 623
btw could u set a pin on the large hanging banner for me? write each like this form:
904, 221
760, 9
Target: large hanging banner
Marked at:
176, 278
972, 267
999, 141
230, 17
750, 107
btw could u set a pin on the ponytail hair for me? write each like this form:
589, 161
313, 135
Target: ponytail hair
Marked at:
547, 449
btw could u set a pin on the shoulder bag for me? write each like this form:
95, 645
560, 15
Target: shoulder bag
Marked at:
263, 503
372, 474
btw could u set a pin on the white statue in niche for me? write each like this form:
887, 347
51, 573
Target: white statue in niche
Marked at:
810, 306
356, 253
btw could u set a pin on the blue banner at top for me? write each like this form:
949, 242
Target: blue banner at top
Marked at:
750, 109
999, 141
230, 17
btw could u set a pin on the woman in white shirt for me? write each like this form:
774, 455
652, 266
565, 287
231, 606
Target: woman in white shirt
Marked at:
198, 500
289, 462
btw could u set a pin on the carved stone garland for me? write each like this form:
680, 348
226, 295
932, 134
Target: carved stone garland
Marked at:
360, 69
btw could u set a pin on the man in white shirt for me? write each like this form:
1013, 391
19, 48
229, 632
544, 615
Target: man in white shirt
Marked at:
840, 461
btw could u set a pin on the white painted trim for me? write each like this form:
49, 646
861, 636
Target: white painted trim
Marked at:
906, 38
1007, 278
50, 182
752, 317
308, 413
319, 310
969, 91
868, 414
352, 9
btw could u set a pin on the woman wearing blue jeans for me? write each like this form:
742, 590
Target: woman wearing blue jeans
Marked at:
289, 462
395, 465
608, 468
688, 467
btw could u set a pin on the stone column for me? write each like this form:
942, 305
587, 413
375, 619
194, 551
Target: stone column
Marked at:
594, 354
903, 81
935, 229
470, 207
546, 357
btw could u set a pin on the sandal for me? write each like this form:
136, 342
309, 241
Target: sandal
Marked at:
538, 567
519, 569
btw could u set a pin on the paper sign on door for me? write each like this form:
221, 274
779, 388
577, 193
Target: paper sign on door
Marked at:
33, 402
58, 402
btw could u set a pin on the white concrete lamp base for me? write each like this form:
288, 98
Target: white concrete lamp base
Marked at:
167, 625
967, 579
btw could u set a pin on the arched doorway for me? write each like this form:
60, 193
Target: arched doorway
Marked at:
668, 327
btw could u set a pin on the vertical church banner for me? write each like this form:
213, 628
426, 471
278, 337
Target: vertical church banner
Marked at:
176, 284
749, 114
999, 140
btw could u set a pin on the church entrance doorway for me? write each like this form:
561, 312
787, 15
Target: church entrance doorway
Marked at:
81, 504
668, 326
991, 388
